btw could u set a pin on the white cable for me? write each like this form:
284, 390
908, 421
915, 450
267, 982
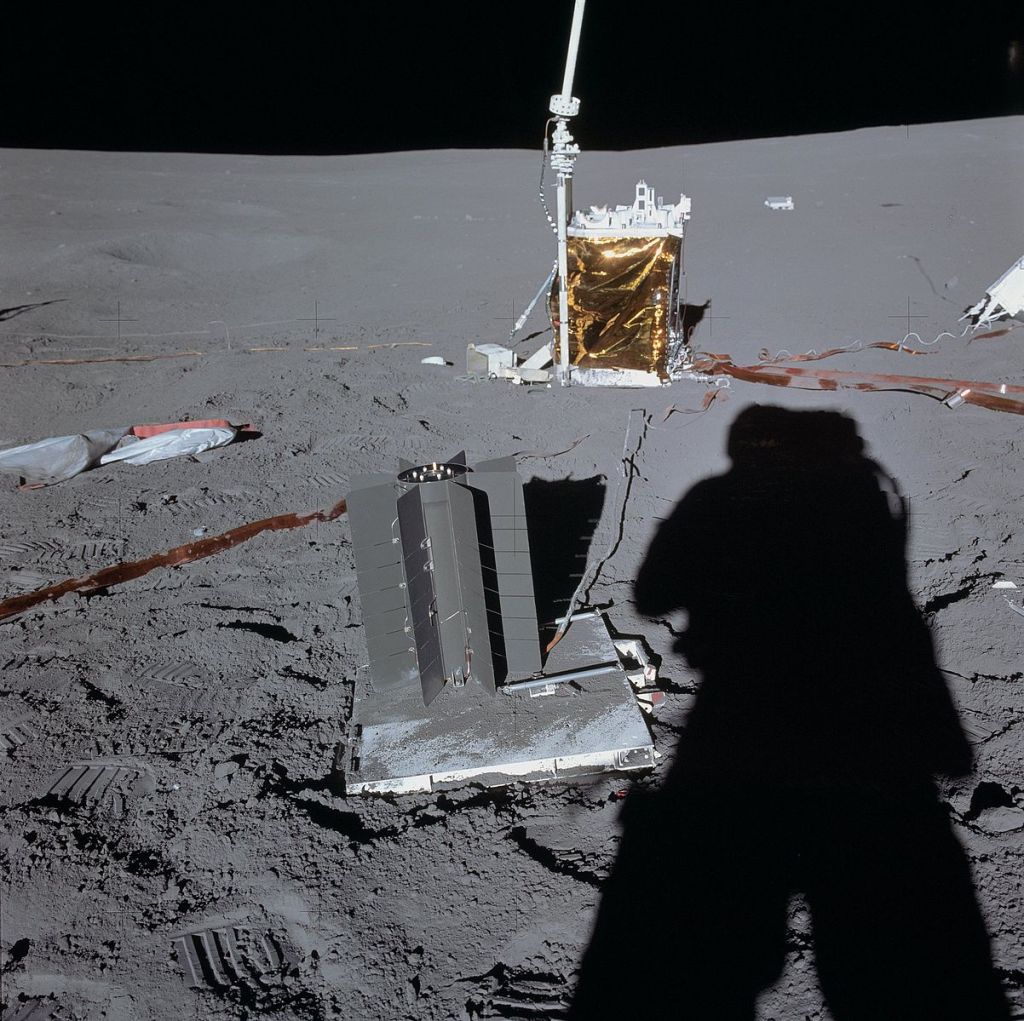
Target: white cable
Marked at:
594, 567
785, 353
543, 166
945, 333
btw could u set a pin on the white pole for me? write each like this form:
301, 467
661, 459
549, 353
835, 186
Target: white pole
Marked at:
563, 286
563, 159
574, 45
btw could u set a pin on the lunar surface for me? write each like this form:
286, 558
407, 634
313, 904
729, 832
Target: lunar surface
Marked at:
175, 838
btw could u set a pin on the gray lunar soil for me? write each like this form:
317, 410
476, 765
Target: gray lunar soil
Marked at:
174, 837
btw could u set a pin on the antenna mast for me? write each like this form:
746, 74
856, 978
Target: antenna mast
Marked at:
563, 160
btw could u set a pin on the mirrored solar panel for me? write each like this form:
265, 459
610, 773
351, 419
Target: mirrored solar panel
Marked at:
420, 593
445, 580
511, 559
471, 584
371, 512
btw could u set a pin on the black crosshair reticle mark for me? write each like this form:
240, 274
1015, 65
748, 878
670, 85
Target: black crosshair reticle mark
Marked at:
712, 318
907, 316
510, 319
119, 320
316, 319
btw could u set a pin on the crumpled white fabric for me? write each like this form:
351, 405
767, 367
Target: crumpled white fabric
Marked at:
59, 457
173, 443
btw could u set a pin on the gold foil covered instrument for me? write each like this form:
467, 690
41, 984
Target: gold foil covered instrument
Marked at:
620, 293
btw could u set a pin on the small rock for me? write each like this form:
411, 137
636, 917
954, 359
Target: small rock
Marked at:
225, 768
1001, 820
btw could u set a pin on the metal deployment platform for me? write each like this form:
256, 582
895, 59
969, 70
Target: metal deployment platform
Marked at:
592, 724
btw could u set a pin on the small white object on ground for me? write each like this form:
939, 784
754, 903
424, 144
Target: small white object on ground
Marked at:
779, 202
1003, 584
433, 360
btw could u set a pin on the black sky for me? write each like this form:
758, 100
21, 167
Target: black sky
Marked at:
369, 77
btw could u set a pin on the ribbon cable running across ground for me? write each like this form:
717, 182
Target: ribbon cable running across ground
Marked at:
992, 396
186, 554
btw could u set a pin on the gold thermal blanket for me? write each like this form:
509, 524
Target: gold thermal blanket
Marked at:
619, 302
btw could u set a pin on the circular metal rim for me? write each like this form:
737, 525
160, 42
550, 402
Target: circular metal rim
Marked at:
434, 471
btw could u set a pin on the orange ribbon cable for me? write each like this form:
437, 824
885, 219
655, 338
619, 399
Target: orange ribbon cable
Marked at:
992, 396
199, 550
99, 361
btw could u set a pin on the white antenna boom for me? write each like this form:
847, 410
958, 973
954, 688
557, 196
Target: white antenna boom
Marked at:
563, 159
574, 45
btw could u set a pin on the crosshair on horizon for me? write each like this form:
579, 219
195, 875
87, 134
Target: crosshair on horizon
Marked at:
316, 319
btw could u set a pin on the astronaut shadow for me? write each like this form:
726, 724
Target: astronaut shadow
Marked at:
806, 762
561, 515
